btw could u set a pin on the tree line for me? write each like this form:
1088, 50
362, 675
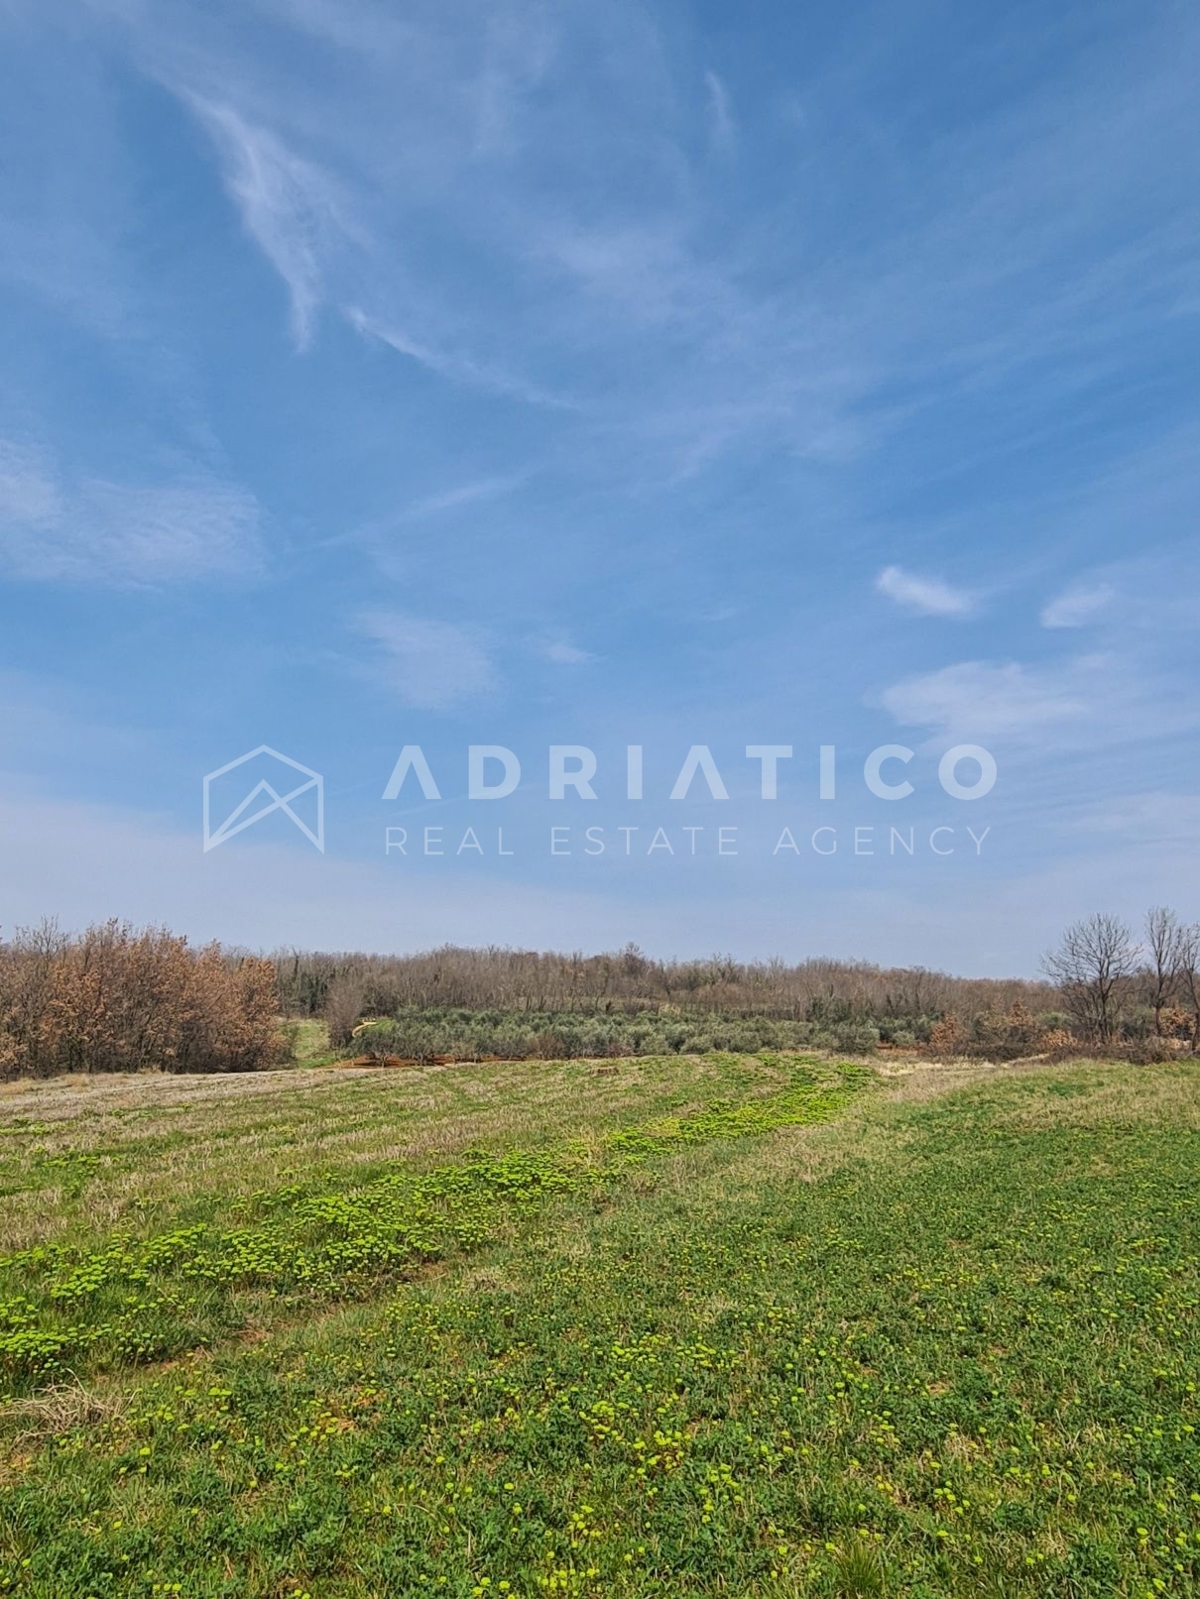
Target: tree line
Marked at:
903, 1003
116, 998
1101, 987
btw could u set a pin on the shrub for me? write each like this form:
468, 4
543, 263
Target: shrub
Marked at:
1147, 1051
948, 1036
1058, 1043
1051, 1021
425, 1034
857, 1038
1005, 1037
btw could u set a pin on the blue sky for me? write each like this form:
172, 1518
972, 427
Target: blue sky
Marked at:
383, 374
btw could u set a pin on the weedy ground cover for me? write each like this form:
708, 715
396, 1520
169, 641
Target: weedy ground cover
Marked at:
751, 1327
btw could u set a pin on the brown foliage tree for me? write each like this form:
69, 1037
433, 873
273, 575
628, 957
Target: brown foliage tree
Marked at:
114, 999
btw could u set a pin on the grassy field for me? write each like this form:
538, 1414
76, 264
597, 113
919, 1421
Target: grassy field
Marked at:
723, 1325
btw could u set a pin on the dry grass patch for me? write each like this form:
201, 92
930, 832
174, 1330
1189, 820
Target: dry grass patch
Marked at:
57, 1410
1097, 1096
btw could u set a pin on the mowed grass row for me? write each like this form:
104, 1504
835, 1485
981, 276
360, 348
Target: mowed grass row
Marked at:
932, 1344
67, 1306
83, 1157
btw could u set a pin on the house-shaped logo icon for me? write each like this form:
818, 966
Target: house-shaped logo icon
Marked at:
278, 790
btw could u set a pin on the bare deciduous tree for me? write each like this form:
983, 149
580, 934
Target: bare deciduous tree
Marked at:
1188, 970
1095, 959
1164, 945
344, 1003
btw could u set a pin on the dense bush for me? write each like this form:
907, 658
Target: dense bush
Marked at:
1000, 1035
1006, 1036
114, 999
461, 1034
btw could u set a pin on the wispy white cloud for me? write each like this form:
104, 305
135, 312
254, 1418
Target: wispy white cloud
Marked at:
95, 531
545, 144
29, 496
355, 25
166, 533
928, 596
518, 46
980, 699
430, 665
722, 126
1145, 599
1167, 818
456, 368
1096, 702
290, 206
564, 654
1078, 605
480, 490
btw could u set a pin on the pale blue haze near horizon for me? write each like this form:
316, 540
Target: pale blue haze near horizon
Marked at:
662, 374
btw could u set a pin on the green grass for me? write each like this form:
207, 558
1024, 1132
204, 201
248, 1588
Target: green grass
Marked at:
746, 1327
84, 1157
310, 1042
